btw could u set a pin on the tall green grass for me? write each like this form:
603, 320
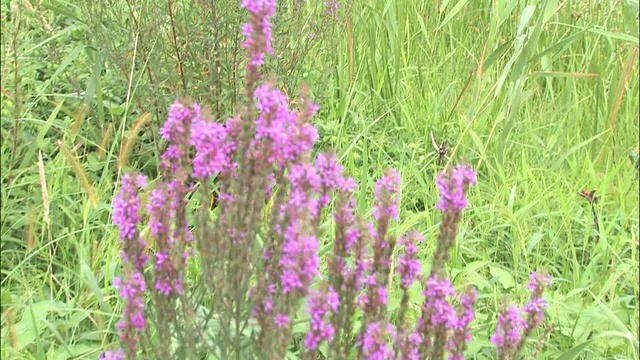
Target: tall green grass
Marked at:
540, 96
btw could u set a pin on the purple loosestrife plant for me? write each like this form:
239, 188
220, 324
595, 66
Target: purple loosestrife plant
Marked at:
321, 305
513, 329
257, 252
331, 8
169, 227
374, 301
112, 355
132, 286
452, 186
375, 341
461, 335
385, 208
346, 266
508, 331
290, 255
409, 269
438, 315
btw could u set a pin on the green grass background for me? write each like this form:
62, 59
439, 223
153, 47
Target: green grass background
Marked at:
540, 96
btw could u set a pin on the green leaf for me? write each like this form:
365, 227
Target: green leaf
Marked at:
503, 276
495, 55
68, 60
61, 8
93, 81
91, 281
575, 351
615, 320
30, 158
525, 17
451, 14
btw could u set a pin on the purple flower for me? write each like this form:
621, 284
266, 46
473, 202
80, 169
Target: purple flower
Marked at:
132, 289
512, 328
126, 206
320, 304
467, 301
176, 119
258, 6
176, 131
112, 355
257, 31
375, 342
386, 194
304, 177
408, 346
409, 267
330, 172
373, 302
282, 135
535, 312
264, 304
508, 330
331, 7
456, 343
272, 124
538, 281
452, 187
382, 294
537, 304
158, 212
436, 304
212, 148
300, 262
282, 320
162, 207
302, 136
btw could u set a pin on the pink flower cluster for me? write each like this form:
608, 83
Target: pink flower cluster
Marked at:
265, 153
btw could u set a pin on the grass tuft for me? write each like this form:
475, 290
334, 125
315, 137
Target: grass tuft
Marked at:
79, 170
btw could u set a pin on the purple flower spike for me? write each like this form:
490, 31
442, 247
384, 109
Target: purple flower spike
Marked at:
126, 206
112, 355
537, 304
387, 185
126, 215
409, 267
436, 303
535, 311
212, 148
300, 262
456, 343
257, 32
320, 305
538, 281
331, 7
176, 131
282, 320
132, 290
375, 343
409, 347
452, 188
508, 330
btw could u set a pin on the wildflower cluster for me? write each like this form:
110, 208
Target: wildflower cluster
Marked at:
258, 251
514, 325
126, 216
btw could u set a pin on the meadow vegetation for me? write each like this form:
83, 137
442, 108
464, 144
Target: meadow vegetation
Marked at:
538, 100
